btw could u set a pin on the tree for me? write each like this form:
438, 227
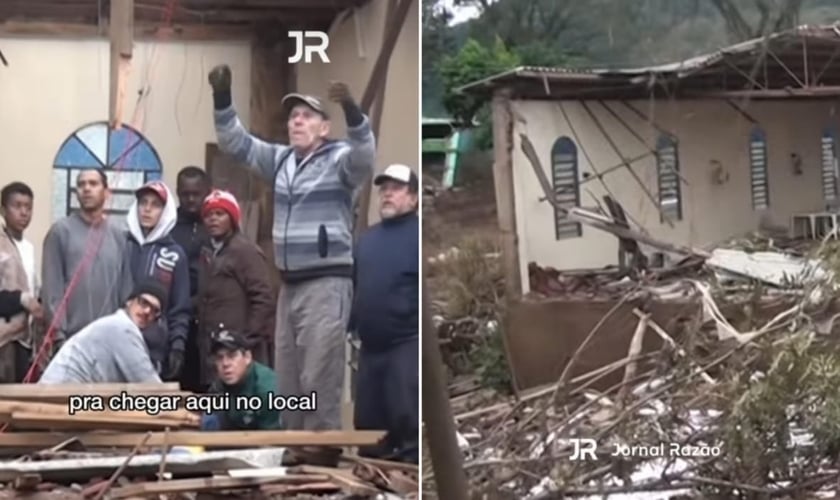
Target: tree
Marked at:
541, 32
437, 41
772, 16
472, 63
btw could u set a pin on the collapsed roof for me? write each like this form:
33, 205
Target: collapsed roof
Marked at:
798, 63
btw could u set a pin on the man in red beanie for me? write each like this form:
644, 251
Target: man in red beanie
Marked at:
234, 288
314, 180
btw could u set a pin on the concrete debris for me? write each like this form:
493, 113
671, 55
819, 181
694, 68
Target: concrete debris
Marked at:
773, 268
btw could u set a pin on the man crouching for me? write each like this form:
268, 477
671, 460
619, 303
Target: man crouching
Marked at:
111, 349
244, 381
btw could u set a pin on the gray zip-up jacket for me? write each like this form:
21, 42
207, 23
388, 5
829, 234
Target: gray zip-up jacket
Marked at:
313, 211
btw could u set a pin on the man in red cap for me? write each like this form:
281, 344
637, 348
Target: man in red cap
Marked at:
154, 254
314, 179
234, 288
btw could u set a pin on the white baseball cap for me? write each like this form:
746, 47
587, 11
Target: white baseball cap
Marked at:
400, 173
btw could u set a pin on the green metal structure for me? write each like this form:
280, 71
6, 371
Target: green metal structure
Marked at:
442, 136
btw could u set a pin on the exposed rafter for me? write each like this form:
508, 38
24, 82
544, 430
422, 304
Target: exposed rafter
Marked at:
90, 17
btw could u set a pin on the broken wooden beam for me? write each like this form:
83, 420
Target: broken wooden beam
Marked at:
598, 221
382, 464
446, 457
344, 478
323, 487
46, 421
121, 34
222, 439
208, 484
53, 391
175, 418
595, 219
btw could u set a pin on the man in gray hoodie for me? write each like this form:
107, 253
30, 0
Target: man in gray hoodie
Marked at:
314, 181
89, 239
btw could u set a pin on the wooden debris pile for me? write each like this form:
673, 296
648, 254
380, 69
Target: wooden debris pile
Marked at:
132, 454
27, 407
750, 414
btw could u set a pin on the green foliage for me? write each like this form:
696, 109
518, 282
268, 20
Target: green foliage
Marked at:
438, 39
490, 364
473, 62
800, 390
473, 284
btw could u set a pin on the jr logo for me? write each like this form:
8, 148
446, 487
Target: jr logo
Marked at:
584, 448
304, 51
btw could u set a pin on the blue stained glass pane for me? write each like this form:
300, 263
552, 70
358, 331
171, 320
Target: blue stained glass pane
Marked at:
140, 158
121, 140
153, 176
74, 154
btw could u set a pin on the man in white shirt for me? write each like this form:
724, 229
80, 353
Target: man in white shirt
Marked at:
17, 274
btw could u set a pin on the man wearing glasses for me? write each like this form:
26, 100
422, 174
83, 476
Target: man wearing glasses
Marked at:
112, 349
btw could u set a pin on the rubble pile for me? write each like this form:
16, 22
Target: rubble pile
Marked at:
47, 452
720, 411
469, 299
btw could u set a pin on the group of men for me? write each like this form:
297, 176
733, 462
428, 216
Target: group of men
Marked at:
177, 292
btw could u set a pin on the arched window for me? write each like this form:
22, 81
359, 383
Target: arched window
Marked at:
128, 159
564, 170
667, 168
759, 182
828, 156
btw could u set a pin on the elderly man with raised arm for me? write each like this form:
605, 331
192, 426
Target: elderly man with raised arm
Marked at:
314, 181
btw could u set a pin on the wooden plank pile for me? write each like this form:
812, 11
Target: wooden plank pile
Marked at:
37, 407
37, 426
352, 481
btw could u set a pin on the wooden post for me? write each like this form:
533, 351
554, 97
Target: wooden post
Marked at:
447, 461
272, 77
375, 89
503, 181
121, 35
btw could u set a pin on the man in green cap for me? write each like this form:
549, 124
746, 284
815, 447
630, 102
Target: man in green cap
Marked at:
241, 378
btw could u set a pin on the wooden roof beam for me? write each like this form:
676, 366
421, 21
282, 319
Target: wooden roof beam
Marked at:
142, 31
121, 34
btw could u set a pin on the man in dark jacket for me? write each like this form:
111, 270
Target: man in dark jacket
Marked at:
190, 234
153, 253
240, 377
385, 316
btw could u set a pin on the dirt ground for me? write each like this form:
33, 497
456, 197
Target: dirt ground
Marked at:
464, 212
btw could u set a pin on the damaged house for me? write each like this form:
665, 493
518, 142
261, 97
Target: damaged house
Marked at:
670, 277
694, 153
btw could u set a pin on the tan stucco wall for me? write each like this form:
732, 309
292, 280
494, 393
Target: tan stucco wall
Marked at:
706, 130
352, 54
52, 87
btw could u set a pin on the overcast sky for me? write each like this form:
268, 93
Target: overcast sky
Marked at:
460, 14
